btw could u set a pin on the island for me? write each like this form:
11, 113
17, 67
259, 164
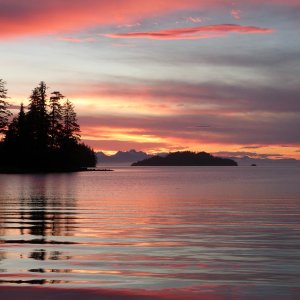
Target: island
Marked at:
186, 158
44, 137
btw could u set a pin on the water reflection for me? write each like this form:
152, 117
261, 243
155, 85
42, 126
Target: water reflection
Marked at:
35, 219
153, 229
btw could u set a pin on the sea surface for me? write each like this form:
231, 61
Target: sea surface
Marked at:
152, 233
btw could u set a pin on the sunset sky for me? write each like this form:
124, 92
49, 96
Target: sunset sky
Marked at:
163, 75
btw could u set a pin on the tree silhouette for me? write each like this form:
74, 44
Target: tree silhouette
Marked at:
71, 128
38, 118
4, 112
55, 119
22, 127
46, 138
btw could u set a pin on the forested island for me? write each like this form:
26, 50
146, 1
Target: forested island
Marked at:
44, 138
186, 158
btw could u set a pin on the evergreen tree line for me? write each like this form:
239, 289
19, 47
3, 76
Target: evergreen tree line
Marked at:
46, 137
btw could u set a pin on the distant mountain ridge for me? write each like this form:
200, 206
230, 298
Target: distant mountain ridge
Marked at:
122, 157
132, 156
247, 161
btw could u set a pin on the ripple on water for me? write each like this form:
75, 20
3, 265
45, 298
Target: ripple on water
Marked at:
154, 230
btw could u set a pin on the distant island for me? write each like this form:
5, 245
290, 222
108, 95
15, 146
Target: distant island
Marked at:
45, 138
186, 158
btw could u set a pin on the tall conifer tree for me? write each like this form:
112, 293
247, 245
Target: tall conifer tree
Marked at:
38, 117
55, 119
71, 127
4, 111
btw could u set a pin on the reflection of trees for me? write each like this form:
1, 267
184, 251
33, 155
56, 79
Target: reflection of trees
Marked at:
38, 254
2, 256
38, 217
2, 221
46, 215
49, 218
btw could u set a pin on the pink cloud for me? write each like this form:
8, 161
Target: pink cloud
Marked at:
195, 19
129, 25
32, 17
236, 14
199, 32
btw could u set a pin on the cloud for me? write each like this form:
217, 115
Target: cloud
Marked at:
117, 145
33, 17
167, 113
198, 32
236, 14
214, 97
129, 25
77, 40
195, 19
241, 154
223, 129
252, 147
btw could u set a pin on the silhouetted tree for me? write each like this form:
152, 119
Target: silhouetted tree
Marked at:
71, 128
46, 138
38, 118
4, 112
55, 119
17, 140
11, 136
22, 125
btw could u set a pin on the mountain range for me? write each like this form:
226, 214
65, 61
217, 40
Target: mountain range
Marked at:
248, 161
122, 157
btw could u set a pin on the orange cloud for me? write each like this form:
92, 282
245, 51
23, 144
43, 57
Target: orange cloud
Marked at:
192, 32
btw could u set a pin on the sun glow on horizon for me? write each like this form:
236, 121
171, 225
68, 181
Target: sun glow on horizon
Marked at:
163, 76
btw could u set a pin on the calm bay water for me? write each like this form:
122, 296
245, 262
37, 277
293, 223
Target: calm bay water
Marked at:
230, 232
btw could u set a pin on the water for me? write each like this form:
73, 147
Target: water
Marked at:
189, 231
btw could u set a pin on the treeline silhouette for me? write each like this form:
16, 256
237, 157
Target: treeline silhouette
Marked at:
186, 158
44, 138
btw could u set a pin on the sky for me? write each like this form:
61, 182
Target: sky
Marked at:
163, 75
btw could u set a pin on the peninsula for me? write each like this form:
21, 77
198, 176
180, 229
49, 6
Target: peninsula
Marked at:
186, 158
44, 138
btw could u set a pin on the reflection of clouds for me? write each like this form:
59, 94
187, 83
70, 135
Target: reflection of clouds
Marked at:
193, 292
159, 228
103, 294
